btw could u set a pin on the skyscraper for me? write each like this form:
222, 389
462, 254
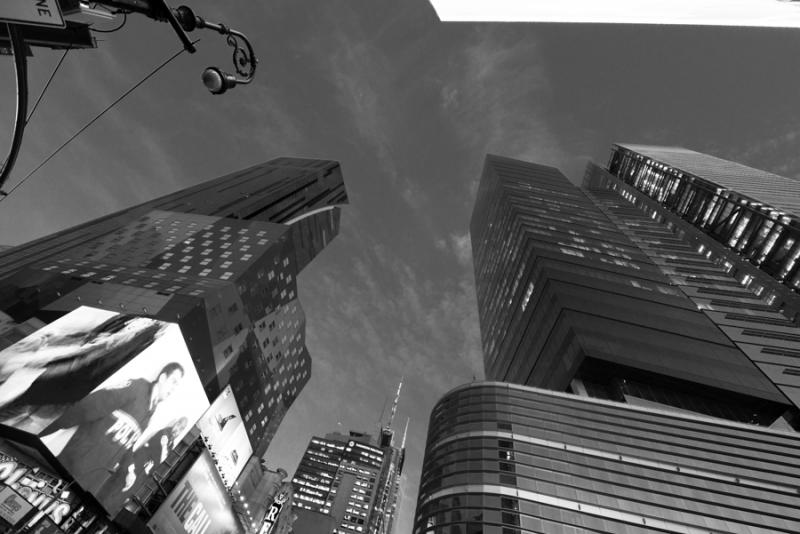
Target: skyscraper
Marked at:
350, 483
655, 309
339, 476
509, 459
766, 13
602, 292
220, 259
208, 273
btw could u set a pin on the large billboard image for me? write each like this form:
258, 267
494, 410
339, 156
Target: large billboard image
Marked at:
108, 394
199, 504
225, 436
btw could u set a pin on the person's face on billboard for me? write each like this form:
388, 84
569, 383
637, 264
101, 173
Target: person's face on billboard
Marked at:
166, 385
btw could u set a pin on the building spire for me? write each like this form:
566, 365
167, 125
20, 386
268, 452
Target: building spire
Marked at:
405, 432
394, 404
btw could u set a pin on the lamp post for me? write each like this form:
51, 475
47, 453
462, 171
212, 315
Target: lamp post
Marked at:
184, 20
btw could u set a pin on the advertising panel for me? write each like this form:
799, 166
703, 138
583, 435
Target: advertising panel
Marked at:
274, 510
199, 504
108, 394
13, 506
43, 490
225, 437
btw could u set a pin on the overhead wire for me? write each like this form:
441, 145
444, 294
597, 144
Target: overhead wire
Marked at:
52, 75
95, 119
124, 20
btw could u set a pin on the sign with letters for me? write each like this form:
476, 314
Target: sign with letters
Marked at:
274, 512
13, 506
199, 504
36, 12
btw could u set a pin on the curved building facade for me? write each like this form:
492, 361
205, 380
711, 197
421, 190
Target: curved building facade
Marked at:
511, 459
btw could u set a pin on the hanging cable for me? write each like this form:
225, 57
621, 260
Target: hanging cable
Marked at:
108, 108
21, 72
47, 84
124, 20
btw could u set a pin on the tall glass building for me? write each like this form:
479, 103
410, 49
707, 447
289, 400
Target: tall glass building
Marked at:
220, 259
644, 330
602, 291
349, 484
116, 335
510, 459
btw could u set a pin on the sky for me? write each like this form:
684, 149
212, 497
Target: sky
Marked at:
409, 106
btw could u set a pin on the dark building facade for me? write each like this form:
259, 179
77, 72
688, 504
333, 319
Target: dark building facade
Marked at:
509, 459
752, 212
601, 292
220, 260
351, 479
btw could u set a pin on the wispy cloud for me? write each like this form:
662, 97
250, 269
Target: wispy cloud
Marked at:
495, 100
462, 247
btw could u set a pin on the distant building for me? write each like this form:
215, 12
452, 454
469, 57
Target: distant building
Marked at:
764, 13
503, 458
351, 479
602, 292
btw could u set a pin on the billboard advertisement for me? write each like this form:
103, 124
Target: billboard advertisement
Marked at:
13, 506
225, 436
108, 394
199, 504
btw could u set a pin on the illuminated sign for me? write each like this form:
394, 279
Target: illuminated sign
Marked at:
36, 488
274, 511
108, 394
225, 436
12, 506
199, 504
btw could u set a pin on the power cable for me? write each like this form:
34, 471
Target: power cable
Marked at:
124, 20
114, 103
48, 84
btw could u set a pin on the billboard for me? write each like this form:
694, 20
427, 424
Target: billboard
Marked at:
13, 506
199, 504
108, 394
225, 437
274, 511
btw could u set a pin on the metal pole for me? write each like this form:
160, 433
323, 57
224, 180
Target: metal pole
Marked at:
21, 72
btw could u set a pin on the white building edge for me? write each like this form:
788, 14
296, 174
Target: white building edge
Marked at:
757, 13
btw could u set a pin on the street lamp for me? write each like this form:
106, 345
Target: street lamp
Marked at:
244, 59
184, 20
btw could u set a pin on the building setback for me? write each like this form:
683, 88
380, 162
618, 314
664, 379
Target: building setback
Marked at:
601, 292
507, 459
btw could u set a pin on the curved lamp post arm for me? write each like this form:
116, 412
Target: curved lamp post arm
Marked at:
21, 72
244, 57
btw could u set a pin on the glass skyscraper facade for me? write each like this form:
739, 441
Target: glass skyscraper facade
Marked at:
599, 292
216, 266
645, 330
510, 459
350, 482
752, 212
220, 259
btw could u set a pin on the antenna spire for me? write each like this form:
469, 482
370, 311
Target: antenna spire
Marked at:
394, 404
405, 432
